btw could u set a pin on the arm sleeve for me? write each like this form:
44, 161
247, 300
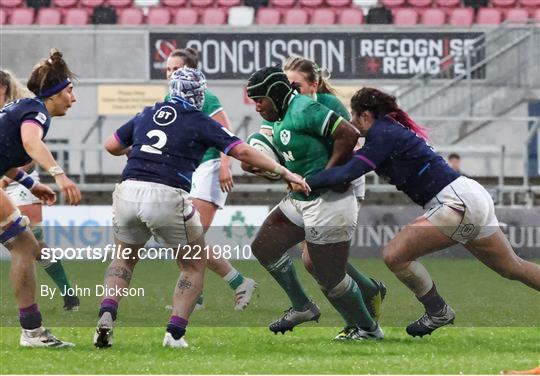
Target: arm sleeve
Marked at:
318, 120
211, 105
339, 175
34, 115
267, 125
213, 134
124, 134
341, 110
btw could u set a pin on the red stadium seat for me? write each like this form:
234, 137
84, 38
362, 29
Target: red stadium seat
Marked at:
64, 3
214, 16
48, 17
173, 3
295, 16
268, 16
535, 4
447, 3
323, 16
202, 3
351, 16
158, 16
11, 3
120, 3
339, 3
536, 15
488, 16
420, 3
131, 17
393, 3
461, 17
228, 3
405, 17
3, 16
310, 3
503, 3
517, 15
433, 17
282, 3
22, 16
76, 16
91, 3
186, 17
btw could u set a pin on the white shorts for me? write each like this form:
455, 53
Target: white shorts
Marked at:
205, 183
20, 195
330, 218
359, 187
463, 211
142, 209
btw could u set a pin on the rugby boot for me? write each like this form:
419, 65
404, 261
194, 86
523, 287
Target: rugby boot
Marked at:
103, 337
41, 337
291, 318
428, 323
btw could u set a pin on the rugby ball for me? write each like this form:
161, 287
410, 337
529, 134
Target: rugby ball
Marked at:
264, 144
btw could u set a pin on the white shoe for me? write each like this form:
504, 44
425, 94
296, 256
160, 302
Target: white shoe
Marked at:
243, 293
198, 306
41, 337
169, 341
103, 337
355, 333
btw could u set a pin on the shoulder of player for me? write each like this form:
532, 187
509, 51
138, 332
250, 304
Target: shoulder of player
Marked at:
31, 106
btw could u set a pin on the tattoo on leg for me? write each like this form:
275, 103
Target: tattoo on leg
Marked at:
120, 272
184, 284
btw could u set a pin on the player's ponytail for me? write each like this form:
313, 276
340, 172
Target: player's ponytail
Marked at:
311, 72
189, 56
50, 76
380, 104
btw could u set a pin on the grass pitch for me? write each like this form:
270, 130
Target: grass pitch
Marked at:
497, 328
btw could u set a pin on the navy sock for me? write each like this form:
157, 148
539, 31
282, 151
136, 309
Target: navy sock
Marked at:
30, 317
432, 301
177, 327
108, 305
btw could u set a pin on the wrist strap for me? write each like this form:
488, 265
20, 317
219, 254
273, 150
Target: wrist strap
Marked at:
56, 170
24, 179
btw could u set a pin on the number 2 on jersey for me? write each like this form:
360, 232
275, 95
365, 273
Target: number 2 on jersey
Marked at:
156, 147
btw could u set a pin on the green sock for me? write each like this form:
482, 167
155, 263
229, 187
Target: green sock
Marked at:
347, 300
366, 285
56, 271
284, 273
200, 299
234, 279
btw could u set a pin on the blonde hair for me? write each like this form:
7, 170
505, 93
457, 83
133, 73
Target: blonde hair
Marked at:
312, 73
14, 89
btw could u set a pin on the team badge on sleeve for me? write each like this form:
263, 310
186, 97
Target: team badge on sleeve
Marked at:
41, 117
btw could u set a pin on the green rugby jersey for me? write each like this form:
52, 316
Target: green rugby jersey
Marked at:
303, 137
211, 107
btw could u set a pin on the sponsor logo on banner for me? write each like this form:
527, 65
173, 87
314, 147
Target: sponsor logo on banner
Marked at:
347, 55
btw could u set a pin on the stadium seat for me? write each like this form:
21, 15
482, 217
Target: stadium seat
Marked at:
158, 16
76, 16
323, 16
295, 16
351, 16
186, 17
120, 3
339, 3
517, 15
447, 3
131, 17
214, 16
503, 3
488, 16
64, 3
91, 3
268, 16
11, 3
202, 3
22, 16
3, 16
535, 4
173, 3
310, 3
420, 3
48, 17
241, 16
228, 3
433, 17
461, 17
405, 17
393, 3
282, 3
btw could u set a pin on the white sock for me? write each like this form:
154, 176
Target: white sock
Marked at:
231, 275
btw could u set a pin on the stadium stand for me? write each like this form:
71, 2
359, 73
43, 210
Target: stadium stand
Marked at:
405, 17
11, 3
488, 16
22, 16
214, 16
461, 17
48, 17
186, 17
131, 17
351, 16
295, 16
158, 16
323, 16
3, 17
433, 17
76, 17
268, 16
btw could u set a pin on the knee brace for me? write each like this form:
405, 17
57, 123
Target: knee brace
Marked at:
12, 226
340, 289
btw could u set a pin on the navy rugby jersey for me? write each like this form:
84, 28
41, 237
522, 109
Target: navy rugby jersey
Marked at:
168, 142
398, 155
12, 115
